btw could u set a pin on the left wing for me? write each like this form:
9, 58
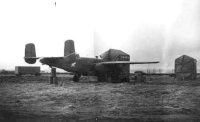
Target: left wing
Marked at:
126, 62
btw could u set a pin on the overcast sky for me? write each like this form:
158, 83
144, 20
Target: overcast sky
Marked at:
148, 30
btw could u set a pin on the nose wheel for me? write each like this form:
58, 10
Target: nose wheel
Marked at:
76, 77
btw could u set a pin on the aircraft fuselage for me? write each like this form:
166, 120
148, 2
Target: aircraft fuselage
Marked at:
80, 65
105, 69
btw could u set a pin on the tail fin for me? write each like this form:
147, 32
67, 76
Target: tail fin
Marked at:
69, 47
70, 50
30, 55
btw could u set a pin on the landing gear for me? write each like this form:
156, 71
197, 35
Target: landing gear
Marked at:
112, 77
53, 78
76, 77
103, 78
115, 79
126, 79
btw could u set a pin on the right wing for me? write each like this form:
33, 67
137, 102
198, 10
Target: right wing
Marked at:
126, 62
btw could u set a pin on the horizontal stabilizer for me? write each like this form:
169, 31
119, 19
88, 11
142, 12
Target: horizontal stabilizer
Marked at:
31, 58
50, 58
126, 62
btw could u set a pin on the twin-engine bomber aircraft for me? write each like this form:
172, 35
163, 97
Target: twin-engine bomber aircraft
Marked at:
71, 62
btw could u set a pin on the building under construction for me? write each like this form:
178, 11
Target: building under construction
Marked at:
186, 68
118, 55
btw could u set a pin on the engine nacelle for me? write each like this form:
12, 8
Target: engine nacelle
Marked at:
100, 67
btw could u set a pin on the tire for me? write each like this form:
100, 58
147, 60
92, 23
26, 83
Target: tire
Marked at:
76, 77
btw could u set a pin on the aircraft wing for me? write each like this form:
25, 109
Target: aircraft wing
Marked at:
126, 62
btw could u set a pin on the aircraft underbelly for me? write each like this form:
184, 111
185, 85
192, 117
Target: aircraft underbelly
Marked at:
77, 68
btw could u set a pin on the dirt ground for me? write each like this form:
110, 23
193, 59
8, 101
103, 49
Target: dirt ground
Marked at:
33, 99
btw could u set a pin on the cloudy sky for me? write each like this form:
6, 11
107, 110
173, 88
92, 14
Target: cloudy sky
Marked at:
148, 30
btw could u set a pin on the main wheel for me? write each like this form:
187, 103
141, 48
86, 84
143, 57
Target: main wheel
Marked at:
76, 77
101, 78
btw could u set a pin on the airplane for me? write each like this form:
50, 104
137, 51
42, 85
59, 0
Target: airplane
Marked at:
104, 69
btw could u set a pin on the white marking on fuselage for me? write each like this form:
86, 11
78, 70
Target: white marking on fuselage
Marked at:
73, 64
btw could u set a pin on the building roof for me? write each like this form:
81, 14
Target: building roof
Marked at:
184, 58
185, 64
112, 54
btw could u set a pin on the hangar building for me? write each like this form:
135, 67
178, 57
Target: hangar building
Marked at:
118, 55
186, 68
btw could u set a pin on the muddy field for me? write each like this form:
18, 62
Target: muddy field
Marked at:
162, 98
